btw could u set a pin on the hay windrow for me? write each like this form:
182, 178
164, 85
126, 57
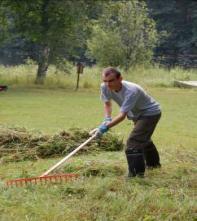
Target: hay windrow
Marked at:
18, 144
100, 168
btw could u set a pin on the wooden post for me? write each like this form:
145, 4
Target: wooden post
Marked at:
80, 67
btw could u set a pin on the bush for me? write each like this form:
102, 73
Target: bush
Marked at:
124, 35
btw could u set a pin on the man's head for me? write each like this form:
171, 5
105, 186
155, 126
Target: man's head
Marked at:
112, 78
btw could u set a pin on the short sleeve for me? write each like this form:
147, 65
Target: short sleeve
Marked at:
105, 95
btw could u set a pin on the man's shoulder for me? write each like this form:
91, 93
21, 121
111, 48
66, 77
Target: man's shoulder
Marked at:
129, 83
104, 89
130, 86
103, 86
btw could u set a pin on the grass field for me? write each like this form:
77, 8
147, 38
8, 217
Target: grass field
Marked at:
103, 193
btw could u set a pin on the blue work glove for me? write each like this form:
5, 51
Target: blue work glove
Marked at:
102, 129
107, 120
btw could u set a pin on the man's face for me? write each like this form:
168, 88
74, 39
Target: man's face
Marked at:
112, 82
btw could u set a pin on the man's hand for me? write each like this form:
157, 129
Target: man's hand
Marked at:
101, 130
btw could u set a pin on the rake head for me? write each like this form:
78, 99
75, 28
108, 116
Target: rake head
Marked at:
45, 178
57, 178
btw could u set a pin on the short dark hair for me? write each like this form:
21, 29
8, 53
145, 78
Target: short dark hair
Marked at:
111, 70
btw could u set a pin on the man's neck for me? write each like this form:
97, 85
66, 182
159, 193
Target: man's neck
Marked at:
119, 88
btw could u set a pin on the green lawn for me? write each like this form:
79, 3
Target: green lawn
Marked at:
165, 194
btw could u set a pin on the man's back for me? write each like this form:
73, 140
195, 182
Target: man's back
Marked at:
132, 100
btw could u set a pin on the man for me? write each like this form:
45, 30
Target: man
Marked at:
136, 105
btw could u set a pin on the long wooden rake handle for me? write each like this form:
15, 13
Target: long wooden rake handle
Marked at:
68, 156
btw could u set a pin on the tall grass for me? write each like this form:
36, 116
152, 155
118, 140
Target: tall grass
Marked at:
24, 76
160, 77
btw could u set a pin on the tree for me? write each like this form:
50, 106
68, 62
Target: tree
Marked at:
124, 35
14, 49
54, 26
105, 47
177, 18
4, 23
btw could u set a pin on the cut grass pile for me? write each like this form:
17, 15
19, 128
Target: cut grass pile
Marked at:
18, 144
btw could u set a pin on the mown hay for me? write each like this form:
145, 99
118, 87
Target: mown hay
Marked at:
101, 168
18, 144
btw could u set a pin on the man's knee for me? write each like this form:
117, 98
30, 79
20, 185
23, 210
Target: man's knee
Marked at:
133, 143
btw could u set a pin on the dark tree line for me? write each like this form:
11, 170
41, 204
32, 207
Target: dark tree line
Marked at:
176, 22
49, 31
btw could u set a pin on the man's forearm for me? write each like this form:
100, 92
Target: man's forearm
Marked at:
116, 120
108, 109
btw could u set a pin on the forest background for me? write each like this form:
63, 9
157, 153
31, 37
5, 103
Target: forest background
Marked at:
118, 33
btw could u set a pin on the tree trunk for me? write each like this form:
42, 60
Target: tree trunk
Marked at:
43, 65
77, 86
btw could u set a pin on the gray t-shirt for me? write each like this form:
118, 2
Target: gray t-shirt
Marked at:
132, 100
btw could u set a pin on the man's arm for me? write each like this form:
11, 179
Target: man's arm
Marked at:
116, 120
103, 128
108, 109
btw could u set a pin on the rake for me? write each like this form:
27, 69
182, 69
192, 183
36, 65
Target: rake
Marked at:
45, 177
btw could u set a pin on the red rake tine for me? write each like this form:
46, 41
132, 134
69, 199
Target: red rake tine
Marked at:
58, 178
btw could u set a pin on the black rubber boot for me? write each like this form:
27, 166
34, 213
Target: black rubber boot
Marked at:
136, 164
152, 156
